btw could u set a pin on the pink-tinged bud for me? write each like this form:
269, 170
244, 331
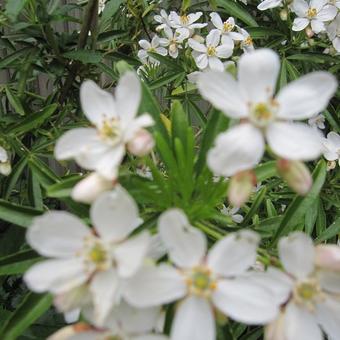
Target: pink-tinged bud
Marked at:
240, 187
328, 256
309, 32
68, 332
141, 144
284, 15
88, 189
296, 174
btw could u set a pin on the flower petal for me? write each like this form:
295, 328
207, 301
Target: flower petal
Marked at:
130, 254
307, 96
213, 38
215, 64
238, 149
115, 214
300, 7
327, 13
294, 141
105, 291
317, 26
201, 60
194, 319
186, 245
216, 20
329, 280
297, 254
96, 103
328, 315
234, 254
128, 96
299, 24
154, 286
196, 46
257, 74
56, 276
222, 90
266, 4
245, 301
57, 234
225, 50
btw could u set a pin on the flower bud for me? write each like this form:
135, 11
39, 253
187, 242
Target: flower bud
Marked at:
284, 15
68, 332
88, 189
141, 144
328, 256
296, 174
240, 187
309, 32
5, 168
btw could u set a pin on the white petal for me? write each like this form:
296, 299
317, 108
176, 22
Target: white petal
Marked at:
328, 315
307, 96
334, 138
294, 141
297, 254
299, 24
245, 301
144, 44
130, 254
221, 89
329, 280
186, 245
240, 148
201, 61
128, 96
153, 286
225, 50
301, 324
213, 38
234, 254
161, 50
216, 20
196, 46
96, 103
257, 74
115, 214
317, 26
142, 121
194, 319
104, 288
300, 7
318, 4
215, 64
327, 13
266, 4
57, 234
73, 142
56, 276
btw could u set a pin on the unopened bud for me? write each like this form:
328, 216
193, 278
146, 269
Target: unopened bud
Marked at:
88, 189
68, 332
309, 32
198, 38
328, 256
240, 187
296, 174
141, 144
5, 168
284, 15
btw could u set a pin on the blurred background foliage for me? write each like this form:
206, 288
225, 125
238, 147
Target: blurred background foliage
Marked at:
48, 47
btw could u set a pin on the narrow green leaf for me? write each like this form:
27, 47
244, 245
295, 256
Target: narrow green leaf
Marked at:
331, 231
14, 101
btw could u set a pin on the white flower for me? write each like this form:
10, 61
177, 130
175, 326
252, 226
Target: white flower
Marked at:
247, 44
209, 55
5, 164
101, 6
202, 281
264, 117
232, 212
315, 13
163, 20
226, 29
317, 121
173, 41
312, 294
102, 148
101, 260
333, 32
267, 4
153, 47
332, 147
187, 22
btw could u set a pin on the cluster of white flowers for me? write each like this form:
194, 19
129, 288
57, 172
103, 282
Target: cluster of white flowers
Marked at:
111, 278
315, 16
179, 33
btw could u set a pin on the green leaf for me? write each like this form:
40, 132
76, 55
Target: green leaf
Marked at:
63, 188
263, 32
14, 7
17, 214
300, 205
179, 123
329, 232
236, 10
33, 120
84, 56
265, 171
31, 308
17, 263
14, 101
255, 206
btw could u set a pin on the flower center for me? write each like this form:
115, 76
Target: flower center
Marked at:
184, 19
211, 51
308, 293
96, 254
248, 41
262, 114
311, 13
110, 131
227, 27
201, 282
